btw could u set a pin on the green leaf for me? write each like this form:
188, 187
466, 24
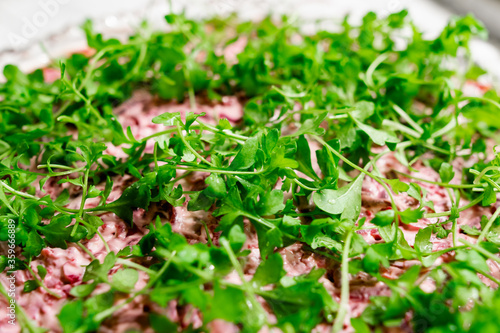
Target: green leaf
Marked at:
95, 222
379, 137
383, 218
199, 201
473, 259
168, 118
107, 190
237, 238
268, 239
301, 302
375, 256
490, 196
216, 186
31, 217
246, 155
83, 290
92, 152
397, 186
224, 124
34, 245
269, 271
328, 162
323, 233
270, 203
472, 231
99, 272
97, 304
312, 126
364, 110
345, 201
228, 304
190, 119
63, 198
303, 156
414, 192
71, 316
42, 271
411, 215
422, 241
125, 279
137, 195
446, 172
161, 323
56, 232
30, 285
360, 326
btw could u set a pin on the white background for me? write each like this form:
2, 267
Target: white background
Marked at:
25, 23
45, 17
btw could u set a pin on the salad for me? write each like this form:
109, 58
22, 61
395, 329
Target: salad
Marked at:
240, 176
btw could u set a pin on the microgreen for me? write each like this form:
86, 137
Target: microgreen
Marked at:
320, 110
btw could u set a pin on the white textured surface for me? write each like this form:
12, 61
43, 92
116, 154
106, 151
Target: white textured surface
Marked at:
24, 23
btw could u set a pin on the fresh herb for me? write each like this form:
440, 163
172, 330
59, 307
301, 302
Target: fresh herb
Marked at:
357, 94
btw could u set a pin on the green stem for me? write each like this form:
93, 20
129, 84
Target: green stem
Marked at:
248, 288
408, 119
6, 201
191, 149
84, 191
225, 132
344, 291
106, 246
132, 264
488, 225
29, 196
298, 182
229, 172
82, 203
155, 151
18, 193
398, 126
108, 312
59, 166
451, 125
9, 108
50, 174
259, 219
459, 186
69, 210
455, 232
87, 101
139, 62
91, 255
454, 226
487, 179
41, 284
489, 276
192, 97
461, 209
371, 69
481, 250
207, 231
480, 99
4, 155
432, 147
171, 130
441, 252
